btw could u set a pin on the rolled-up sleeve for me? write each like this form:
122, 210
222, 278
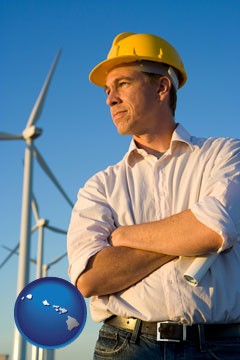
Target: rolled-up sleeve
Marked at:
90, 226
219, 205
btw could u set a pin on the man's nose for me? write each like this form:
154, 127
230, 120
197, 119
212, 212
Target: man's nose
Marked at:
113, 98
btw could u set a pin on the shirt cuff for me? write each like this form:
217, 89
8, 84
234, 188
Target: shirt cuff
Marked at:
214, 215
78, 265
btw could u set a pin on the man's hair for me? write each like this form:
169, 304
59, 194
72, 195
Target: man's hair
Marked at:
172, 95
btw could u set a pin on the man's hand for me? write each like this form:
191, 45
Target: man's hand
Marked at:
117, 236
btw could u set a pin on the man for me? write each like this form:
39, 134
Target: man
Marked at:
138, 225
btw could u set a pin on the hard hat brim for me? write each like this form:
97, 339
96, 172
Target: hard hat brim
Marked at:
99, 73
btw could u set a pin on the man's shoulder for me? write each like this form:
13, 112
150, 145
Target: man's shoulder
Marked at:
217, 143
200, 141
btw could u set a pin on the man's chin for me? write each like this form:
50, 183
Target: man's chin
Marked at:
124, 130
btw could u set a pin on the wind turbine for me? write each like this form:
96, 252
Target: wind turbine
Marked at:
45, 267
29, 134
40, 225
41, 269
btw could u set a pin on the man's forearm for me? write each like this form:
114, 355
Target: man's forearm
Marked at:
116, 268
180, 235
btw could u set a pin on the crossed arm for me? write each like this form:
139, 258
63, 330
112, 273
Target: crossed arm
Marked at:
138, 250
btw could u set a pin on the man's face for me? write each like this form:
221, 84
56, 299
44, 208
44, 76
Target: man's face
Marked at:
133, 101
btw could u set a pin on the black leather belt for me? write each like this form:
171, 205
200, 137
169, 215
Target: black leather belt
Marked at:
171, 331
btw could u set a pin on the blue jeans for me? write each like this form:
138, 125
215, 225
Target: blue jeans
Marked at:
118, 344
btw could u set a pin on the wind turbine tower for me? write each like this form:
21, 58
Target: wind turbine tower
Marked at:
29, 134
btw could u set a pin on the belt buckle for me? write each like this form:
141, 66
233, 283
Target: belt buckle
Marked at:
183, 334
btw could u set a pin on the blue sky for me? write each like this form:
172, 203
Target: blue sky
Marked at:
78, 137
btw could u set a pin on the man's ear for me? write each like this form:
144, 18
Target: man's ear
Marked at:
164, 86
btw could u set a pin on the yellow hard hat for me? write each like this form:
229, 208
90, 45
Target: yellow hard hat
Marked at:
129, 47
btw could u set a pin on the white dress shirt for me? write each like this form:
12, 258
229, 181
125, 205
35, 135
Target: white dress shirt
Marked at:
195, 173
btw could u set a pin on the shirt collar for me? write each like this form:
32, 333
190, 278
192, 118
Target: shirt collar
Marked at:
180, 135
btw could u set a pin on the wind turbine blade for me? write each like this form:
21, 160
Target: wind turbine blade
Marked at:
34, 228
37, 109
16, 252
13, 251
56, 260
9, 249
55, 229
35, 208
47, 170
7, 136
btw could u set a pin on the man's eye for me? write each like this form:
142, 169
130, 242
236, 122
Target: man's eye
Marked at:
123, 83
